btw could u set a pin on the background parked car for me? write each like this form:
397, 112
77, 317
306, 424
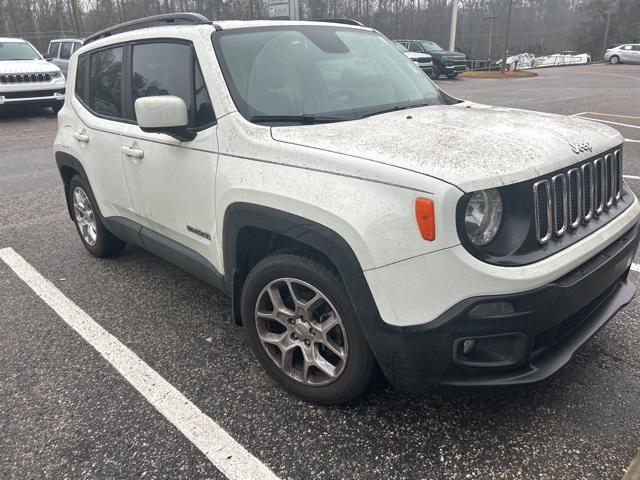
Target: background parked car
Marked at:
60, 51
26, 78
422, 60
628, 53
444, 62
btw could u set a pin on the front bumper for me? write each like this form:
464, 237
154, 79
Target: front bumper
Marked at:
450, 67
48, 96
527, 345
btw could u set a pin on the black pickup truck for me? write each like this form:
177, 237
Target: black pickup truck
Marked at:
444, 63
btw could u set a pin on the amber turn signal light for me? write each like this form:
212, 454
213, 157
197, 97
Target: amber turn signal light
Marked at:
425, 216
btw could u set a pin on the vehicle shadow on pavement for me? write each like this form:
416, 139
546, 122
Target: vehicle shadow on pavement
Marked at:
10, 113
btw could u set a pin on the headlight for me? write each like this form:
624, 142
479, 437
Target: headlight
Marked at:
483, 216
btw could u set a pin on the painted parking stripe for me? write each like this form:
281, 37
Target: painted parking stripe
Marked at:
227, 455
632, 177
635, 267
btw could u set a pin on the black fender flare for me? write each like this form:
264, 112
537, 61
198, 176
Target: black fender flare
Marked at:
66, 160
314, 235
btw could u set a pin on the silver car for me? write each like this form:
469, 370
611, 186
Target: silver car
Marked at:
628, 53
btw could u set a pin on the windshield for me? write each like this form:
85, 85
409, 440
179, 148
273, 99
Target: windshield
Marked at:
17, 51
431, 46
311, 74
402, 47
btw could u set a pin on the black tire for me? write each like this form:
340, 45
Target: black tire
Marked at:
106, 244
614, 59
435, 71
359, 366
451, 76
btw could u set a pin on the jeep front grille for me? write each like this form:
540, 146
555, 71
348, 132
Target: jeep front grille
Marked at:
9, 78
572, 198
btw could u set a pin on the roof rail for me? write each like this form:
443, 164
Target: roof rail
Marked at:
345, 21
153, 21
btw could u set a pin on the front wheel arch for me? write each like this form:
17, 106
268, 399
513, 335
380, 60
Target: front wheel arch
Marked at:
284, 231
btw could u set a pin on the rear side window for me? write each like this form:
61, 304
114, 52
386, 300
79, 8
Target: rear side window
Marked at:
65, 50
105, 82
53, 49
82, 72
166, 68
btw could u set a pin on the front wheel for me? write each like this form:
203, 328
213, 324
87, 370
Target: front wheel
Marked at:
435, 72
303, 329
615, 59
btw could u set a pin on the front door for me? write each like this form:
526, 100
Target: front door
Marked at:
171, 183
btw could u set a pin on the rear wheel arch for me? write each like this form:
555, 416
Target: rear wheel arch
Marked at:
252, 232
68, 166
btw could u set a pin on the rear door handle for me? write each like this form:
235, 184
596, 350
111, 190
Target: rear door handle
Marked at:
133, 152
81, 137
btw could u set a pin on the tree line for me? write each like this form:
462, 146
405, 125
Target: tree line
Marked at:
538, 26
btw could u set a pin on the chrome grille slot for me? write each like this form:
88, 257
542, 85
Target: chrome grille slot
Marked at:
619, 180
600, 182
573, 198
542, 206
610, 179
587, 191
559, 194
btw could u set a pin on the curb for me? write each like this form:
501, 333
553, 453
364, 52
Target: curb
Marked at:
633, 472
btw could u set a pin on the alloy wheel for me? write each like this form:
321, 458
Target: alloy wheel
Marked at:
301, 331
85, 218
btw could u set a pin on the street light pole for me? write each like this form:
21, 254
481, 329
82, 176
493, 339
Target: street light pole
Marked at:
506, 38
454, 24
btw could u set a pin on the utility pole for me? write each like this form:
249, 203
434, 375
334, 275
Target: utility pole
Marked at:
295, 10
454, 24
503, 66
75, 15
491, 18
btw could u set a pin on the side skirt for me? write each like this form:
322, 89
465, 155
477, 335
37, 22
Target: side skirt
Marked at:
167, 249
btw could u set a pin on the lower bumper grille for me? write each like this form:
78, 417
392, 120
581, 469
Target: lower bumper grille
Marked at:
32, 94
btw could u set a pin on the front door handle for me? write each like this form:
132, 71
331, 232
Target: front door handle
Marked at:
81, 137
133, 152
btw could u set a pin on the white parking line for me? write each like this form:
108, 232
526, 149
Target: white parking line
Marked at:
630, 140
632, 177
635, 267
227, 455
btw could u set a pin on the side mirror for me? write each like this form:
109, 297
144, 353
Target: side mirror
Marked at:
164, 114
48, 57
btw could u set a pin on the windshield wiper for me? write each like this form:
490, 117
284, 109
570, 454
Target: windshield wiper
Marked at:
395, 109
305, 119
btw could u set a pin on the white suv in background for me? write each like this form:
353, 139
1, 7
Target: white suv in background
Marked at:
355, 213
26, 78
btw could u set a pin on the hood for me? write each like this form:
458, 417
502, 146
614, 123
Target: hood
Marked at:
468, 145
446, 53
418, 56
27, 66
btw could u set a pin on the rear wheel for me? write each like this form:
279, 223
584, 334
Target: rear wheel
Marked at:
614, 59
94, 235
303, 329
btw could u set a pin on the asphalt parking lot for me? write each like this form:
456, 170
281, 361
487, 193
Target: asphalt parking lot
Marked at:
65, 412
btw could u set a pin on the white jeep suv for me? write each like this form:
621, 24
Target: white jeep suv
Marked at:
26, 78
356, 214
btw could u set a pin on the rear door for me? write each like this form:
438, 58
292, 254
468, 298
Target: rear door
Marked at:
172, 182
95, 130
635, 51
